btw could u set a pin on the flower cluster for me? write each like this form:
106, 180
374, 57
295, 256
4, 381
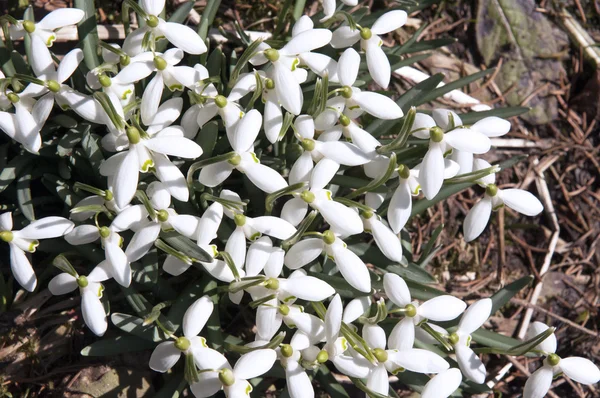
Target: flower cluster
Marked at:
152, 110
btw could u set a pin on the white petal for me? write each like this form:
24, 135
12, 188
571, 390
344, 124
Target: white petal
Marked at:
420, 361
400, 207
475, 316
47, 227
302, 168
28, 132
442, 308
42, 108
82, 235
209, 224
41, 60
207, 386
254, 364
443, 384
236, 247
185, 224
84, 105
6, 222
344, 37
581, 370
142, 241
446, 119
62, 284
348, 67
21, 268
153, 7
522, 201
273, 226
492, 126
378, 105
378, 64
196, 316
101, 272
69, 63
174, 266
183, 37
470, 364
287, 88
8, 124
303, 24
294, 211
322, 173
396, 289
386, 240
421, 125
174, 146
125, 179
61, 17
356, 308
214, 174
151, 98
307, 288
352, 268
274, 266
258, 255
307, 41
477, 218
389, 21
480, 164
333, 318
170, 175
328, 9
121, 270
93, 310
350, 366
431, 176
374, 335
320, 64
342, 219
303, 253
135, 72
128, 218
549, 344
538, 383
164, 357
268, 320
298, 382
264, 177
343, 153
377, 380
468, 140
402, 336
221, 271
362, 139
246, 131
273, 121
308, 325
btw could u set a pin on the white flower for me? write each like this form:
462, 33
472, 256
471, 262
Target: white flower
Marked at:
437, 309
234, 382
98, 79
494, 198
91, 291
25, 124
181, 36
370, 42
245, 161
342, 219
473, 318
442, 140
352, 101
167, 353
400, 208
352, 268
579, 369
320, 64
329, 7
443, 384
43, 31
385, 239
297, 381
106, 202
27, 240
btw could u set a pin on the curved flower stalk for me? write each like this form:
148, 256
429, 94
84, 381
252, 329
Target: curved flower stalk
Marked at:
473, 318
218, 374
167, 353
352, 268
370, 42
494, 198
245, 161
91, 289
43, 31
438, 309
181, 36
27, 240
352, 101
579, 369
342, 219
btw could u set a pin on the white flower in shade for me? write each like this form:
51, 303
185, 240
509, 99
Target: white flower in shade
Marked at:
473, 318
43, 31
107, 203
297, 381
385, 239
443, 384
336, 345
91, 289
98, 79
181, 36
441, 141
342, 219
494, 198
581, 370
284, 64
352, 101
370, 42
393, 361
329, 7
352, 268
5, 103
167, 353
400, 208
219, 374
438, 309
27, 240
245, 161
119, 263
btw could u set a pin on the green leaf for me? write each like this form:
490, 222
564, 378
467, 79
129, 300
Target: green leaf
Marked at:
185, 246
91, 146
503, 296
455, 85
426, 45
24, 195
505, 113
208, 16
115, 346
14, 168
88, 33
330, 384
182, 12
134, 325
67, 142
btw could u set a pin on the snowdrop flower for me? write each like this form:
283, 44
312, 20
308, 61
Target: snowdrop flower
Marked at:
438, 309
245, 161
167, 353
473, 318
27, 240
370, 42
43, 31
443, 384
297, 381
341, 218
385, 239
105, 202
393, 361
329, 7
494, 198
119, 263
91, 291
579, 369
284, 63
321, 64
181, 36
98, 79
167, 74
352, 268
400, 208
352, 101
219, 374
432, 170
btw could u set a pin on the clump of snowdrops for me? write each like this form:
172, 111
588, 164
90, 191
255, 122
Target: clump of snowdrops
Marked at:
200, 187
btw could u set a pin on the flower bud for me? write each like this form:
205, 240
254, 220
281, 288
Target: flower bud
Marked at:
365, 33
6, 236
160, 63
491, 190
82, 281
182, 343
53, 86
29, 26
287, 350
272, 54
308, 144
307, 196
162, 215
133, 135
380, 354
328, 237
152, 21
240, 220
226, 377
436, 134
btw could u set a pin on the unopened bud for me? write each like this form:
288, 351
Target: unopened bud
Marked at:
272, 284
269, 84
12, 97
553, 359
322, 356
403, 171
124, 60
411, 310
104, 232
53, 86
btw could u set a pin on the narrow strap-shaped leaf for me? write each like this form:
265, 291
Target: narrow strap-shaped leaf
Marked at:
88, 33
